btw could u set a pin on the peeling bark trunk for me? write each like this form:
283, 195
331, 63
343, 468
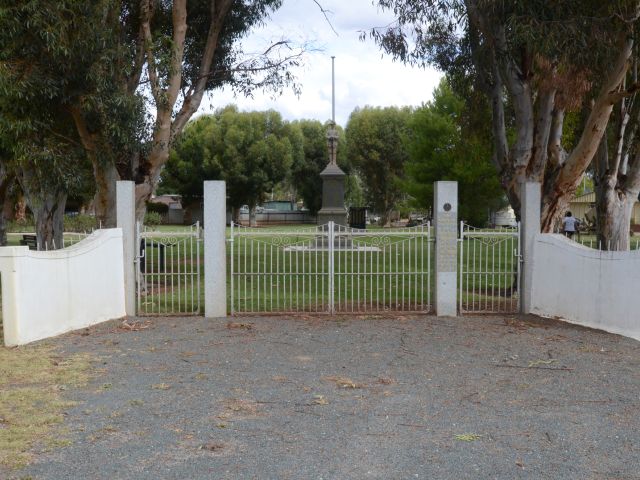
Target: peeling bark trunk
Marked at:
557, 155
561, 183
48, 211
143, 193
614, 219
165, 93
104, 201
615, 198
542, 133
104, 172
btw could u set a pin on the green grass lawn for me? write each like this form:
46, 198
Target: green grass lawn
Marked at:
273, 273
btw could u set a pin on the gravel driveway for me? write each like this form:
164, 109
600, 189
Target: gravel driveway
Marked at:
351, 398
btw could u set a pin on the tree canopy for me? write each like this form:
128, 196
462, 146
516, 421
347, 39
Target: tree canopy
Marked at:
251, 151
534, 61
441, 147
375, 146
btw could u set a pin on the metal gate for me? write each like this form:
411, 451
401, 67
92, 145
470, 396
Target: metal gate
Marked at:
168, 271
489, 270
329, 269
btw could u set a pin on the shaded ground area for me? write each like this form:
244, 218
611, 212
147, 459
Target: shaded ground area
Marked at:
340, 398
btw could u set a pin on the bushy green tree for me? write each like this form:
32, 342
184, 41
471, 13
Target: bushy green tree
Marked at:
442, 147
251, 151
375, 145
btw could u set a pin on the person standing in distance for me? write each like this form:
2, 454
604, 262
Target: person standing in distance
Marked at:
569, 223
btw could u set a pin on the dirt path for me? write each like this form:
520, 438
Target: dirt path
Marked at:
338, 398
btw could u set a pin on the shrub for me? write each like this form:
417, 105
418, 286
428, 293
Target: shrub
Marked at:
152, 219
80, 223
26, 225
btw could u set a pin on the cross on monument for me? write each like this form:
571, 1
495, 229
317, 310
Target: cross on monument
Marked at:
332, 176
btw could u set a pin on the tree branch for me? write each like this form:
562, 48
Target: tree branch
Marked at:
219, 10
324, 12
146, 11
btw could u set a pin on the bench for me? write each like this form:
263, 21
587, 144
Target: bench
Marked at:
30, 241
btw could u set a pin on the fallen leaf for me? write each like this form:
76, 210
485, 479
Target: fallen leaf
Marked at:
468, 437
342, 382
161, 386
541, 362
240, 325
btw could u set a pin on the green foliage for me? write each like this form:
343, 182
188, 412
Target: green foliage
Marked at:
305, 171
26, 225
375, 139
152, 219
80, 223
251, 151
441, 149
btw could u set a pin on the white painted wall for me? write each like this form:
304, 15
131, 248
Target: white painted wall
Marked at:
49, 293
587, 287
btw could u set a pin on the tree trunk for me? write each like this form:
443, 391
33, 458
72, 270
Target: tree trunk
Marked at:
106, 175
561, 184
47, 202
143, 193
235, 215
49, 217
5, 182
253, 222
614, 218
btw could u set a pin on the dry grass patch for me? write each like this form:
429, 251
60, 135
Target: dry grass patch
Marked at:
342, 382
240, 408
31, 403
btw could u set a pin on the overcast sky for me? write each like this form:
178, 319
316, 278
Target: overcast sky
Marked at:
363, 76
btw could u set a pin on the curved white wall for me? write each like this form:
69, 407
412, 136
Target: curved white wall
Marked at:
585, 286
49, 293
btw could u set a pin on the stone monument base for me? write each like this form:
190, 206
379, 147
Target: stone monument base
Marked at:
337, 215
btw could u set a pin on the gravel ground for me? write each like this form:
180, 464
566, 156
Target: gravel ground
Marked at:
351, 398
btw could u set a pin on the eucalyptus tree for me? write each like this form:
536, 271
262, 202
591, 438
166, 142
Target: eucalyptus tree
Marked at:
58, 90
617, 172
185, 49
535, 61
131, 73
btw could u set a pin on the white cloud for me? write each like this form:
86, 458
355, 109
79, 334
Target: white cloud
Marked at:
363, 75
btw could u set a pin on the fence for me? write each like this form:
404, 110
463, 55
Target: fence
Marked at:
489, 270
329, 269
591, 241
48, 293
168, 274
593, 288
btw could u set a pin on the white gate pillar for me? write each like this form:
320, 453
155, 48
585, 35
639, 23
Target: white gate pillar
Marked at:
215, 254
126, 220
445, 209
530, 204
